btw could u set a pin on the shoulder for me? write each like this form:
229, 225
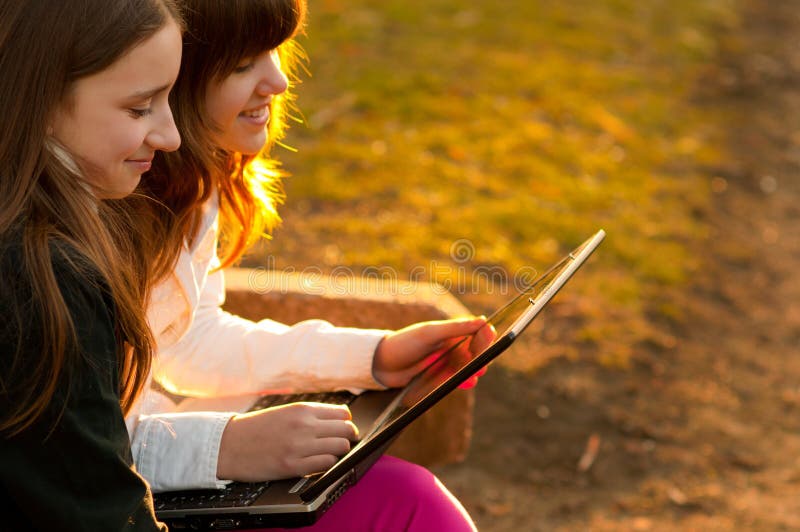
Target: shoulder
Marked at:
31, 335
88, 300
81, 287
68, 265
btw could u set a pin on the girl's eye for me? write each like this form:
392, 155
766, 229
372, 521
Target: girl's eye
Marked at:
140, 113
241, 69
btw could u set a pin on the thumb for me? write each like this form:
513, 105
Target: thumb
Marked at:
456, 327
446, 333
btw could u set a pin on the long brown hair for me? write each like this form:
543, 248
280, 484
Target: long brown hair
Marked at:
219, 35
48, 213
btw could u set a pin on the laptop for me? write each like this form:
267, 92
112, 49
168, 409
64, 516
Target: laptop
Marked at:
379, 415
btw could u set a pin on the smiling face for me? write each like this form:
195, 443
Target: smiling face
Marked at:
112, 122
238, 105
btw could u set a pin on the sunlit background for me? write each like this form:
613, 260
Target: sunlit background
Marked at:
438, 139
519, 127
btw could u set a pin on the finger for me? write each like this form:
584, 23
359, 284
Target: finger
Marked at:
441, 331
488, 331
431, 358
451, 346
328, 411
337, 429
313, 464
462, 327
469, 383
426, 362
482, 339
479, 339
327, 446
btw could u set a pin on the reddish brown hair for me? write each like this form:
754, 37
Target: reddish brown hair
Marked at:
219, 36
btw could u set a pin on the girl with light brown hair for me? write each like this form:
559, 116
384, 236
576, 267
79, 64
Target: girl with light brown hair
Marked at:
84, 98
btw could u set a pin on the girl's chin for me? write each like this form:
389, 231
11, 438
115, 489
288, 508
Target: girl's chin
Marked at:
249, 145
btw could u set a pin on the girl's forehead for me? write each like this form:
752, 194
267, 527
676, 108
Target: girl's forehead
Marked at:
150, 65
233, 31
225, 65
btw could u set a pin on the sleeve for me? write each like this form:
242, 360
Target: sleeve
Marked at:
72, 470
223, 354
179, 451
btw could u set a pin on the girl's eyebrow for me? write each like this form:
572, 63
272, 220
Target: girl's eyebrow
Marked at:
149, 93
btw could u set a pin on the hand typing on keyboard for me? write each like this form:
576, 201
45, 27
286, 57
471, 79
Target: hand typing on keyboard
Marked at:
285, 441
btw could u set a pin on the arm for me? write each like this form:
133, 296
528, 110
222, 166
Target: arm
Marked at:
225, 354
72, 470
204, 351
304, 439
179, 451
196, 450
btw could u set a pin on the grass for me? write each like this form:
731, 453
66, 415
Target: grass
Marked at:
509, 131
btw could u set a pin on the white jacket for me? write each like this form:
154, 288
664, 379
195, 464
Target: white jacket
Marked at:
203, 351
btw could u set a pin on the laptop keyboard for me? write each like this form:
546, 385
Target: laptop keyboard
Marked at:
235, 494
332, 398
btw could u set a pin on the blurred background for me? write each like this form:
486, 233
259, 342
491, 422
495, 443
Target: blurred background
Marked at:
443, 140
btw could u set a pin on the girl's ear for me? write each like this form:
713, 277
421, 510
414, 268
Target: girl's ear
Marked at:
50, 130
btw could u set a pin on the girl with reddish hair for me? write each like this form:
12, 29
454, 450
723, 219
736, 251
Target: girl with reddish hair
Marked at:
220, 190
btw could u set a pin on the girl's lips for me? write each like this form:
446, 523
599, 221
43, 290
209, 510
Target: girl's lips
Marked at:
256, 117
141, 165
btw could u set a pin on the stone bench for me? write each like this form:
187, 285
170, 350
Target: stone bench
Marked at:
442, 435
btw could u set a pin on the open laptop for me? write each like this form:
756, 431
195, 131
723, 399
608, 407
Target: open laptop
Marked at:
380, 417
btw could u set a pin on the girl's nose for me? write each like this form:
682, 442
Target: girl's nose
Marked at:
273, 79
165, 136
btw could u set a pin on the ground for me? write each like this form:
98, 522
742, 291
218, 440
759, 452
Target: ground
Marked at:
703, 432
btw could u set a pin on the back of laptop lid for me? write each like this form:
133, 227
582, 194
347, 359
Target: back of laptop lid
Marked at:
448, 371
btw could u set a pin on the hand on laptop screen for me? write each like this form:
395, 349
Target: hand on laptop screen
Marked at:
458, 359
403, 354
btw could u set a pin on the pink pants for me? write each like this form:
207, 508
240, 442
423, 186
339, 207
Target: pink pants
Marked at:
395, 495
